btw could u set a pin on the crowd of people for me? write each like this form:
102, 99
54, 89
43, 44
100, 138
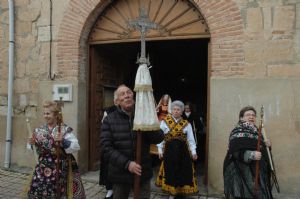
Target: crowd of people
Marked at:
56, 174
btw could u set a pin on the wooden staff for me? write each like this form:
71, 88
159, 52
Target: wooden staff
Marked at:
136, 193
30, 136
58, 149
264, 135
257, 169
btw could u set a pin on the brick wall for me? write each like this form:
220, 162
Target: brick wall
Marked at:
244, 36
223, 18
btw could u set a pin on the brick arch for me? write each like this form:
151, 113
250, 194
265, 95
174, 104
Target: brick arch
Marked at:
223, 18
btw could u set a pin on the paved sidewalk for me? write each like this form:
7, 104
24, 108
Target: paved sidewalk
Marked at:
12, 184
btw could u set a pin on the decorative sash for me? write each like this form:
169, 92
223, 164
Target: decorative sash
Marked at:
176, 129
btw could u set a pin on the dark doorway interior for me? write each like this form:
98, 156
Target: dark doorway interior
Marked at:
179, 68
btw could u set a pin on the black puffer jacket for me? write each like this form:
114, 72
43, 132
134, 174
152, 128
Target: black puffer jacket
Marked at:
118, 145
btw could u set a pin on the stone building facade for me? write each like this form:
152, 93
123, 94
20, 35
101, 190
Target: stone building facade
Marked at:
253, 59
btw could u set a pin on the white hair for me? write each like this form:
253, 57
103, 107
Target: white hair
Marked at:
179, 104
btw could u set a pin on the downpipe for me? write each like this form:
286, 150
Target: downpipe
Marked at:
10, 84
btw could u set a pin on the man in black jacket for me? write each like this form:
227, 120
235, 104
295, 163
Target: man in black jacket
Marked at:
118, 143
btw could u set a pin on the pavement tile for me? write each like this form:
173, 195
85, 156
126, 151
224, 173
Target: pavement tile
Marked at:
12, 185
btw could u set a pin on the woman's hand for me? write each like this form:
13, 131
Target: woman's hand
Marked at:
160, 156
257, 155
195, 157
58, 137
31, 141
268, 143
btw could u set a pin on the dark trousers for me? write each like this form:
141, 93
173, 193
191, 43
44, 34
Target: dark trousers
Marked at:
122, 191
109, 186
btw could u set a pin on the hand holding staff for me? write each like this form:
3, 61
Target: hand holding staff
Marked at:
31, 140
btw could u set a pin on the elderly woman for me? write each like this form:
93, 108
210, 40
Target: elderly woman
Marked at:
178, 150
240, 163
56, 174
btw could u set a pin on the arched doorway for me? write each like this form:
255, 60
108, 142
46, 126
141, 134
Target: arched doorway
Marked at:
178, 52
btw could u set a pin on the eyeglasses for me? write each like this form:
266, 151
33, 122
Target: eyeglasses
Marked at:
250, 115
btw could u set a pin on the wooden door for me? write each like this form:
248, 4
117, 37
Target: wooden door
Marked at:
104, 79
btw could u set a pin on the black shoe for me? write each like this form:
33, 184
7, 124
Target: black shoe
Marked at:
110, 197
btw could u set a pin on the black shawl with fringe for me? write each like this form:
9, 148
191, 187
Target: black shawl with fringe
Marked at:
239, 175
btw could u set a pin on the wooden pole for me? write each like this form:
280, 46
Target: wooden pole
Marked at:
136, 193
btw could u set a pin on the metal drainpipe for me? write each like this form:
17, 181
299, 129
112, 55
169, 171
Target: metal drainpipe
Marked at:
10, 84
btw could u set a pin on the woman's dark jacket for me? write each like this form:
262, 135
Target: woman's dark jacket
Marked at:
118, 145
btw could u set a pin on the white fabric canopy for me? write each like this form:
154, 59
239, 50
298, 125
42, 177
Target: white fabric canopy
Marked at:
145, 118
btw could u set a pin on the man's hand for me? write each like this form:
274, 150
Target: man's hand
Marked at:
135, 168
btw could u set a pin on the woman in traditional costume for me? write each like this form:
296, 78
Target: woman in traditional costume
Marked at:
178, 151
163, 108
56, 174
240, 164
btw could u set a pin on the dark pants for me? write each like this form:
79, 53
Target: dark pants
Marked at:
122, 191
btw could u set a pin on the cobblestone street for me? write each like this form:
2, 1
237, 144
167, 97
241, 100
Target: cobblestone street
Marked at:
12, 185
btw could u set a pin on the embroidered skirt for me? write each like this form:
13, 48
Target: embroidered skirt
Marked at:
177, 174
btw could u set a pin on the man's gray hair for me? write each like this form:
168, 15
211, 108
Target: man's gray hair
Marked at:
179, 104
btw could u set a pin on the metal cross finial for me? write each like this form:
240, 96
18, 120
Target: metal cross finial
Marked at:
143, 24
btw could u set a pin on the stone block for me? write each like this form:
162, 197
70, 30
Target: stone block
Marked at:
254, 20
34, 83
25, 15
267, 16
33, 99
24, 46
4, 18
20, 68
22, 86
291, 70
32, 66
3, 100
284, 18
297, 45
269, 3
4, 66
22, 28
23, 100
43, 20
278, 51
4, 87
21, 3
253, 51
3, 110
298, 15
44, 33
257, 70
